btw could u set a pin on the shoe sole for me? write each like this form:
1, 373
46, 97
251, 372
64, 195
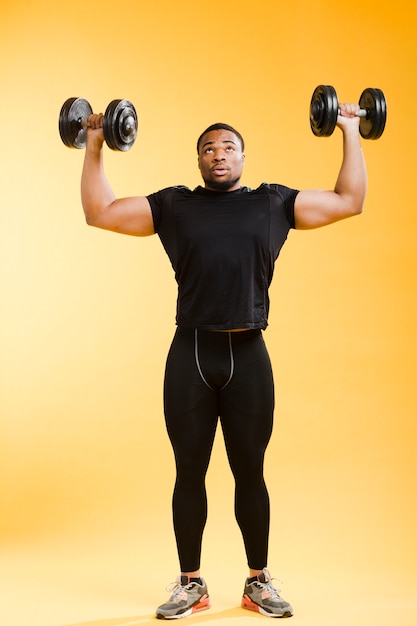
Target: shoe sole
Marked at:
202, 605
247, 603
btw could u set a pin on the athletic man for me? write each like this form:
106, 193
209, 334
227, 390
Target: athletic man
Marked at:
222, 240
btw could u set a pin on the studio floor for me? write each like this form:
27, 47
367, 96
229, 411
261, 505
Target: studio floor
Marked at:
99, 579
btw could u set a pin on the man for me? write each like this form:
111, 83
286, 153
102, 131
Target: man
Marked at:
223, 241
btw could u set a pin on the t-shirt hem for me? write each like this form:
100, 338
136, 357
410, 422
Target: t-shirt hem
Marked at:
226, 327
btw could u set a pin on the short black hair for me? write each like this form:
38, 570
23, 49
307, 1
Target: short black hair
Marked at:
220, 126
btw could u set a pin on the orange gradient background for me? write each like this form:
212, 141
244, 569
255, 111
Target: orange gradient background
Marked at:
87, 316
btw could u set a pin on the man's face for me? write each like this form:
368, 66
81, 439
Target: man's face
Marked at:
220, 160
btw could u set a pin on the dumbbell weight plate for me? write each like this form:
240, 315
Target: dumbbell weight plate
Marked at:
120, 125
373, 101
323, 110
72, 117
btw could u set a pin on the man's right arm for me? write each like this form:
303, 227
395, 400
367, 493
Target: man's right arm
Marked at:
129, 216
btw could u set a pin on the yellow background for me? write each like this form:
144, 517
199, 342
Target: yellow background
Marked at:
87, 316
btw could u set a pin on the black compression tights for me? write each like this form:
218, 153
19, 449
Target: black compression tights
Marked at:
227, 375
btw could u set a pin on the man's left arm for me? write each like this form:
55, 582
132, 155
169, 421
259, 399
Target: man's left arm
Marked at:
314, 208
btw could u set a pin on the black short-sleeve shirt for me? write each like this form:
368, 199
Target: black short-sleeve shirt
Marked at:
223, 247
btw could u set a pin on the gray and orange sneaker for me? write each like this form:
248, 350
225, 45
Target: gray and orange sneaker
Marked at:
186, 598
261, 596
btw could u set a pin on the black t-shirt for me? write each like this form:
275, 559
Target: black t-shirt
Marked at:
223, 247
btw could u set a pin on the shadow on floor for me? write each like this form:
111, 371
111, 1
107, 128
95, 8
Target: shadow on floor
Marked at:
206, 616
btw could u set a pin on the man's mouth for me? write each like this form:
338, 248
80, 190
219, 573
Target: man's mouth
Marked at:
220, 170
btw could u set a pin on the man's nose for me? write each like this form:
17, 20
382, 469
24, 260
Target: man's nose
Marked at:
219, 156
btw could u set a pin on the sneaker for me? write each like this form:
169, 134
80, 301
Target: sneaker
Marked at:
186, 598
261, 596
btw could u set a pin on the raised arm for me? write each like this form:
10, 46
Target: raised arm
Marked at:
315, 208
129, 216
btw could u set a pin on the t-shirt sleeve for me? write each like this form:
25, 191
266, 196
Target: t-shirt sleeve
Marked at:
161, 206
289, 195
156, 201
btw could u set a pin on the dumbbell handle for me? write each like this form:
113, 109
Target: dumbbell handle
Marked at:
361, 112
129, 124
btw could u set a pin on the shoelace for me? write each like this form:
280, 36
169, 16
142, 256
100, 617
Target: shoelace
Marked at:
176, 590
269, 587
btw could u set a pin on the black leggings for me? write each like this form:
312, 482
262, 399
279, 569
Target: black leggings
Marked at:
227, 375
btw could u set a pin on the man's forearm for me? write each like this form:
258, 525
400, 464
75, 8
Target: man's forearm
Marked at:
96, 193
352, 180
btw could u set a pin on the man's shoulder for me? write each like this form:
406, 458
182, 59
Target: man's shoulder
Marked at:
171, 190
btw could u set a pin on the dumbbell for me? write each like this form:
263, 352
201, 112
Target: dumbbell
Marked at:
324, 109
120, 123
